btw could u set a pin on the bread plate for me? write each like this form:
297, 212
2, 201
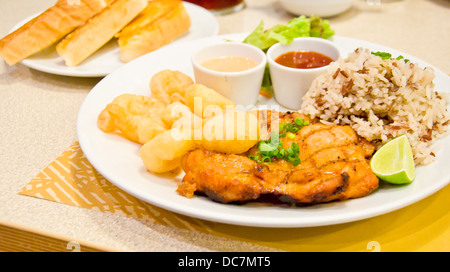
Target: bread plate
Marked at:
118, 160
107, 59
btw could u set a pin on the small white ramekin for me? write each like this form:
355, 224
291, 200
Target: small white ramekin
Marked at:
291, 84
322, 8
240, 87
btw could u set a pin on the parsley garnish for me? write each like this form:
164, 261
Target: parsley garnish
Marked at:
386, 55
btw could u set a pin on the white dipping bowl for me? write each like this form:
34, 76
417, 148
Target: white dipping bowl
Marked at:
323, 8
241, 87
291, 84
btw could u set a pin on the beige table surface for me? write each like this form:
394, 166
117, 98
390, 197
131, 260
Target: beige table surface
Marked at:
38, 113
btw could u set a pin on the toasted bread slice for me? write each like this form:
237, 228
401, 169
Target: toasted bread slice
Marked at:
159, 24
47, 28
88, 38
155, 10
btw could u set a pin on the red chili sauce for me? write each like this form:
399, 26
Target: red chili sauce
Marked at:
304, 59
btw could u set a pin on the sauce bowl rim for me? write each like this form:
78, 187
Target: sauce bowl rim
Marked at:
258, 66
271, 59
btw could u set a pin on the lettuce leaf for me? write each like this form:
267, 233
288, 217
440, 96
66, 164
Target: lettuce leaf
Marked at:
266, 85
302, 26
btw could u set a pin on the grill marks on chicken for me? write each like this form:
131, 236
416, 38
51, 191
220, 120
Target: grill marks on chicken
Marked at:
334, 166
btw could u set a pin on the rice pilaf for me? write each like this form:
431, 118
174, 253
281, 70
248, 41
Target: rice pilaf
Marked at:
381, 99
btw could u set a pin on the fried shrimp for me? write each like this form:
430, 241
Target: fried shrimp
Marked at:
169, 86
134, 117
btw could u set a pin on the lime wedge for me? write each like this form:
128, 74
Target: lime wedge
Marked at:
394, 162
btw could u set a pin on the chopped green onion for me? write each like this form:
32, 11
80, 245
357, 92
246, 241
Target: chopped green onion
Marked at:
266, 159
267, 147
273, 148
299, 121
295, 147
290, 152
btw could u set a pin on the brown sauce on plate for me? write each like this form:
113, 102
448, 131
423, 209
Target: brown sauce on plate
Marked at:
303, 59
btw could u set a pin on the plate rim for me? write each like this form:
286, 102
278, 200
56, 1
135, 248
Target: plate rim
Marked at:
242, 221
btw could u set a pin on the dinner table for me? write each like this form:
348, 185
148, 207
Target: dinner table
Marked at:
45, 178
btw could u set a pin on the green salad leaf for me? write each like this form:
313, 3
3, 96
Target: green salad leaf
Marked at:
266, 85
320, 28
301, 26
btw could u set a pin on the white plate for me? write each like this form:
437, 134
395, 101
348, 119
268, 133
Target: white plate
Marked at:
107, 58
118, 159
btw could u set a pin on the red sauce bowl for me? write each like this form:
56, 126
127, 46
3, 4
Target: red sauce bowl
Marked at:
291, 83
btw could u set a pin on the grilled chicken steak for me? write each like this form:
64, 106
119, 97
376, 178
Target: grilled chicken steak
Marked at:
334, 166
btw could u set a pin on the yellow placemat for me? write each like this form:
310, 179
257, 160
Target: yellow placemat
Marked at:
423, 226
